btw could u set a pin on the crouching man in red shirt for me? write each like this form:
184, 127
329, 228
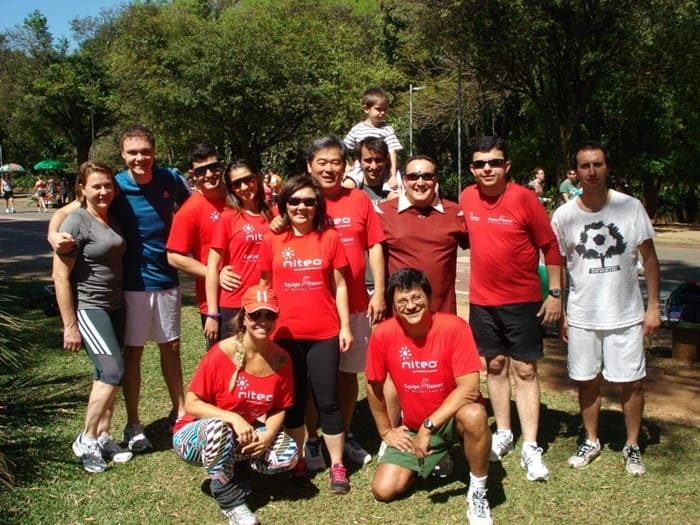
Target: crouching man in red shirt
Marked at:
433, 360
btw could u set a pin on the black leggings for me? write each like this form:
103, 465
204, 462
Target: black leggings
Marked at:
317, 360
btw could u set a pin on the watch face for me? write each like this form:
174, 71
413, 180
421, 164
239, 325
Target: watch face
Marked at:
556, 292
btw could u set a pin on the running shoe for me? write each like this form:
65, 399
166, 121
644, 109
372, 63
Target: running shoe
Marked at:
501, 445
587, 452
111, 451
354, 451
531, 461
241, 515
633, 460
478, 512
299, 476
89, 454
339, 479
314, 455
135, 438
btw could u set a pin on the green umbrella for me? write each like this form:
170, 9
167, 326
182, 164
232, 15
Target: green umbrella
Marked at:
50, 165
12, 168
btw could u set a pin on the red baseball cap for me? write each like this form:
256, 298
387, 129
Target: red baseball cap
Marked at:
260, 298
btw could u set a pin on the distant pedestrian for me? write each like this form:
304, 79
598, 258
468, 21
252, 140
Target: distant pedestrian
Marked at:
8, 192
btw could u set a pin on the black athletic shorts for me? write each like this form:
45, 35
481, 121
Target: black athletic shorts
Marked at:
511, 329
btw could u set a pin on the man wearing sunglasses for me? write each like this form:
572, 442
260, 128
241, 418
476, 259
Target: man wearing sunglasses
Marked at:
425, 232
508, 228
194, 223
353, 216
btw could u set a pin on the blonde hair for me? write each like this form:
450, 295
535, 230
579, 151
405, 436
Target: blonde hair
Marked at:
239, 354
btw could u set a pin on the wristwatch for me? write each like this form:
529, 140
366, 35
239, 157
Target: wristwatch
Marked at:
428, 424
555, 292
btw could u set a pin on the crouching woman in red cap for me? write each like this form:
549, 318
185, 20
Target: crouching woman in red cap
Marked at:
242, 380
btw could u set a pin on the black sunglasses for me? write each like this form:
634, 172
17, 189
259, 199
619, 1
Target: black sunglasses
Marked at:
309, 202
244, 180
262, 315
201, 171
415, 176
494, 163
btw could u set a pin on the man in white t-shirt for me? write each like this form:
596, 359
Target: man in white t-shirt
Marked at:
600, 234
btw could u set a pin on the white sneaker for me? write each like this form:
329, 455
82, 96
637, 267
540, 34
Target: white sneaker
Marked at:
531, 461
587, 452
633, 460
501, 445
241, 515
354, 451
314, 455
479, 512
89, 454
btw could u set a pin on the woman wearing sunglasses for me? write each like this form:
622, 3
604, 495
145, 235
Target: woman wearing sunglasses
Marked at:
235, 246
305, 263
242, 380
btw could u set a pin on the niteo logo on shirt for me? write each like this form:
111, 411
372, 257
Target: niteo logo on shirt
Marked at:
408, 363
251, 395
250, 234
289, 260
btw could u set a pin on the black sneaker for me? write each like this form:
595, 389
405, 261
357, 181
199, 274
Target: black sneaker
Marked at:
111, 451
135, 438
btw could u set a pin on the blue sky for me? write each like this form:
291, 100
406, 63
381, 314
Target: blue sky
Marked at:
59, 13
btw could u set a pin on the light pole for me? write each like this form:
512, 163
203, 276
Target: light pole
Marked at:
411, 89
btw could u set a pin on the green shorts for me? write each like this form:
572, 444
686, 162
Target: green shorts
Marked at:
440, 444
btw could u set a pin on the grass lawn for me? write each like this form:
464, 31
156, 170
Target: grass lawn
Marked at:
42, 409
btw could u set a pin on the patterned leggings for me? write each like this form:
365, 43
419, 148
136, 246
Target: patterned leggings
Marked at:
213, 444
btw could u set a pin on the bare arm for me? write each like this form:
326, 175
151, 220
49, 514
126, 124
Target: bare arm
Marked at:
563, 324
397, 437
62, 268
377, 304
551, 306
652, 274
61, 242
187, 264
211, 285
343, 306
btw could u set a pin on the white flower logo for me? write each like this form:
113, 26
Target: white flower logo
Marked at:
248, 229
242, 383
288, 254
405, 353
214, 216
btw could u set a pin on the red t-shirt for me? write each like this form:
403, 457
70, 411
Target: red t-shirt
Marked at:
239, 236
352, 215
302, 275
252, 396
506, 234
192, 231
425, 239
423, 370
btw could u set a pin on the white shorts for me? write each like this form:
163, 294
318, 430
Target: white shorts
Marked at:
353, 361
619, 353
152, 315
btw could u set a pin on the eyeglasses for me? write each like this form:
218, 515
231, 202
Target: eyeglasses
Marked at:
309, 202
201, 171
250, 179
418, 175
416, 299
262, 315
494, 163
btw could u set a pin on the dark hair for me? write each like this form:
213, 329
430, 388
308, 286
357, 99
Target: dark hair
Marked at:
375, 144
137, 131
534, 171
373, 96
235, 202
85, 170
487, 143
293, 185
406, 279
200, 152
426, 158
590, 145
327, 142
